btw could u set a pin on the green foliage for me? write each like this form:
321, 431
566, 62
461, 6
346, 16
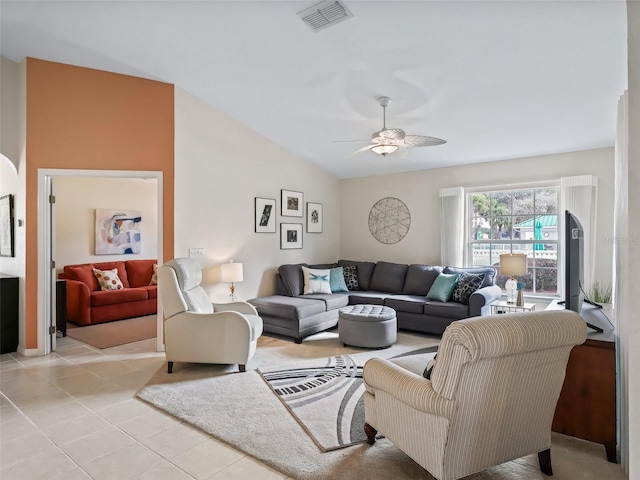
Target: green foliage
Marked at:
600, 293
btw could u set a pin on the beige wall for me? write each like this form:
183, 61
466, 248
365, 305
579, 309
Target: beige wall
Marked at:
220, 167
420, 192
76, 201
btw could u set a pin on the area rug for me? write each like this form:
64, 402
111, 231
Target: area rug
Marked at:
111, 334
326, 396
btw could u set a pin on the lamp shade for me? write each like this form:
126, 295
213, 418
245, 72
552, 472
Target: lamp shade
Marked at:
231, 272
513, 264
384, 149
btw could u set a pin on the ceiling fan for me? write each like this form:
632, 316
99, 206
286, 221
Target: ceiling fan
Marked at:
394, 140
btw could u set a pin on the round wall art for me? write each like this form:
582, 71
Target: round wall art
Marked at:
389, 220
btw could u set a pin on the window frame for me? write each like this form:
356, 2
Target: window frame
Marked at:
469, 242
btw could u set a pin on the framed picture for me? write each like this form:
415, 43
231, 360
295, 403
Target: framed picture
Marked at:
314, 217
6, 226
290, 236
292, 203
265, 215
118, 231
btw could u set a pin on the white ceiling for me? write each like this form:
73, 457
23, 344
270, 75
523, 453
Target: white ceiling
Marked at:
496, 79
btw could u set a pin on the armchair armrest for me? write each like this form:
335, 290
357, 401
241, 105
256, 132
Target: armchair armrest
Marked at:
407, 387
481, 299
240, 307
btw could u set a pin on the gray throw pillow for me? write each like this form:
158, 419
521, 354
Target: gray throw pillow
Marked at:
429, 370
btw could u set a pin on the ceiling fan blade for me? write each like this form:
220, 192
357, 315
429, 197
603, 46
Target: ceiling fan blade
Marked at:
422, 141
392, 133
400, 154
363, 149
349, 141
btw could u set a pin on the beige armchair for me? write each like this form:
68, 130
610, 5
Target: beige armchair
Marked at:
491, 397
197, 330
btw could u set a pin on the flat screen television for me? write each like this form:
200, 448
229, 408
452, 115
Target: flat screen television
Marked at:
573, 262
574, 266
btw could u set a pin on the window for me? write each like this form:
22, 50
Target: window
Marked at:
517, 221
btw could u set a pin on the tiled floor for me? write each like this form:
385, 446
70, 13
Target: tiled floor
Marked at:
71, 415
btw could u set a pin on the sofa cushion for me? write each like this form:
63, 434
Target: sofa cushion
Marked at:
406, 303
489, 273
350, 273
110, 297
140, 272
84, 274
467, 284
292, 279
122, 270
371, 297
443, 287
316, 281
152, 290
454, 310
336, 280
290, 308
420, 278
333, 301
388, 277
365, 270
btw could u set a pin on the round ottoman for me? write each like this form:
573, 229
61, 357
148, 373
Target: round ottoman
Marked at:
368, 326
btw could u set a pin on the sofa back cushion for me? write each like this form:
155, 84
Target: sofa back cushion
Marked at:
139, 272
291, 279
365, 270
489, 273
84, 274
420, 278
388, 277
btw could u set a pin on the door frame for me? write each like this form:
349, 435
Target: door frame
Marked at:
46, 292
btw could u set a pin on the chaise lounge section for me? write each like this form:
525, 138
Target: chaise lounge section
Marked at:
402, 287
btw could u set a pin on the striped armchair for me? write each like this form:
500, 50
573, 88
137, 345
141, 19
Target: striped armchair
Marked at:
491, 398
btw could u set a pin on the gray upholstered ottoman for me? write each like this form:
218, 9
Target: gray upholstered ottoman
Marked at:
369, 326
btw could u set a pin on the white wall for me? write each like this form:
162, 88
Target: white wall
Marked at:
76, 201
420, 192
220, 167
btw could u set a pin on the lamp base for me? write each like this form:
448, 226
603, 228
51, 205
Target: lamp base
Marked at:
511, 286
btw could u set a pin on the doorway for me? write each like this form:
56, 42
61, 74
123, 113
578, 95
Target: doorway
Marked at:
49, 250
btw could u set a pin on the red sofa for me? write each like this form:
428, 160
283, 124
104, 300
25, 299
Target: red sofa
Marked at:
88, 305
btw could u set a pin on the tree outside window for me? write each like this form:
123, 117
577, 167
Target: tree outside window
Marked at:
517, 221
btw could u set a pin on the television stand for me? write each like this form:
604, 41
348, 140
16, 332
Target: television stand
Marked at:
590, 325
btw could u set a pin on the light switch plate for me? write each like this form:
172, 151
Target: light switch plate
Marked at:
196, 252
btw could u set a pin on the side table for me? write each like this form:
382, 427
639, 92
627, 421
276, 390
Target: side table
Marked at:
504, 307
61, 307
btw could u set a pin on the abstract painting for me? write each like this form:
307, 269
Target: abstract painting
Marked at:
117, 231
265, 215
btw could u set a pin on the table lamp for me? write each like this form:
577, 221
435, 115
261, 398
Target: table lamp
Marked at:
231, 273
512, 264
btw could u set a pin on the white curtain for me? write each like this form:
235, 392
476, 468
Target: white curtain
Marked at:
452, 226
621, 276
579, 195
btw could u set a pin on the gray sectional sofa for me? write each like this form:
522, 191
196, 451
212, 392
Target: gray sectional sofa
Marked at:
399, 286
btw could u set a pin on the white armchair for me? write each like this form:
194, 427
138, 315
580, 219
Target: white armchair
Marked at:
197, 330
491, 397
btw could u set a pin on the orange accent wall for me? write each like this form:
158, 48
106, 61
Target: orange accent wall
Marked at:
79, 118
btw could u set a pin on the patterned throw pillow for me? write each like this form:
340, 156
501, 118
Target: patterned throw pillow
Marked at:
467, 284
351, 277
108, 279
429, 369
154, 277
316, 281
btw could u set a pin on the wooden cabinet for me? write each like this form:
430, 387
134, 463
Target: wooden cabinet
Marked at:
587, 404
8, 313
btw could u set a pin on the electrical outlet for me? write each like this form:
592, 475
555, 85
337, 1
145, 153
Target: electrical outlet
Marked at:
196, 252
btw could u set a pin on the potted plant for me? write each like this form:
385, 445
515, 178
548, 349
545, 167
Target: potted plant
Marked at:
601, 294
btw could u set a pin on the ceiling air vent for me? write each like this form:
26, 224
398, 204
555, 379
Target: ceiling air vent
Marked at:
325, 14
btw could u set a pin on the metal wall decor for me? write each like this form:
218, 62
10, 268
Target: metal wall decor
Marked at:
389, 220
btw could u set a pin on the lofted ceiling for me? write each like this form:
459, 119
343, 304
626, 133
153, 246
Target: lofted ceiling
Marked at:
496, 79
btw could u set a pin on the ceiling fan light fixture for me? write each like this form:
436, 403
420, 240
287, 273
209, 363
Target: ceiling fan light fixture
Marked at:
384, 149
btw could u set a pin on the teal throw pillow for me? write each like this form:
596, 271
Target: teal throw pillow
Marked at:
336, 280
443, 287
